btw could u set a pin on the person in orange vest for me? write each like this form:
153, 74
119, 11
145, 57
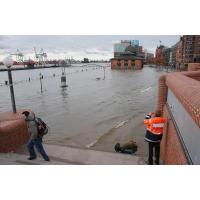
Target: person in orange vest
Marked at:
154, 124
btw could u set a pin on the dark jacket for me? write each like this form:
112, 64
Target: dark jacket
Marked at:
150, 137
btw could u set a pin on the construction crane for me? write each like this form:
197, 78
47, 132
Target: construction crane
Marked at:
19, 56
41, 57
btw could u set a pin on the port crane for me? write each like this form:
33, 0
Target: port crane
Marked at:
19, 56
41, 57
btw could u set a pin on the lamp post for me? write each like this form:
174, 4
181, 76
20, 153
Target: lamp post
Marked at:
8, 62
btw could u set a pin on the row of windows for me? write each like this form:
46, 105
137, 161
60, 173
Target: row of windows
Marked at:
126, 63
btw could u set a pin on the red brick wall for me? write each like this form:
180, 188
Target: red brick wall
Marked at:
138, 64
129, 64
193, 66
113, 64
186, 88
13, 131
172, 152
162, 93
122, 64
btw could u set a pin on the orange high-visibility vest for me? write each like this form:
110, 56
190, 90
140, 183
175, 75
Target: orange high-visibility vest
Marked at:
155, 125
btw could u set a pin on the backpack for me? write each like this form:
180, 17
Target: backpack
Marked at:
43, 130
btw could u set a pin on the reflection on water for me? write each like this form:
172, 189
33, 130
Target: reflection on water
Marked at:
87, 111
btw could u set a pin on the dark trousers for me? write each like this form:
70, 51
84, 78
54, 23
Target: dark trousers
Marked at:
154, 146
38, 144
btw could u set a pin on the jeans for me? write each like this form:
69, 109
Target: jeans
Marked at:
38, 144
152, 146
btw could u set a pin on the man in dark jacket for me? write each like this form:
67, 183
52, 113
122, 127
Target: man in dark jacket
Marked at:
129, 147
34, 140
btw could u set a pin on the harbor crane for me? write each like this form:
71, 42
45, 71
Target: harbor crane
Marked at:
41, 57
19, 56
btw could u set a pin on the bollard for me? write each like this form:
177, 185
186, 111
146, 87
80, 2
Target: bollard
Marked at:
63, 80
6, 82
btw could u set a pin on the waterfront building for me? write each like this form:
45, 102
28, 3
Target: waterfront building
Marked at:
166, 54
197, 49
160, 60
150, 58
188, 48
172, 60
127, 55
188, 51
179, 54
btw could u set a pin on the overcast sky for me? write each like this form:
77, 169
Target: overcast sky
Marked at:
78, 47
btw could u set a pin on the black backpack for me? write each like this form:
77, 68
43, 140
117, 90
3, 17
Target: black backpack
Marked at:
42, 127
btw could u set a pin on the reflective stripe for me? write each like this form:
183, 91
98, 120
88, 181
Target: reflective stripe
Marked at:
158, 125
155, 133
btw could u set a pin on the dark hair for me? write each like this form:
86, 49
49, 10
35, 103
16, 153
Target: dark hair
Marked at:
117, 147
26, 113
158, 113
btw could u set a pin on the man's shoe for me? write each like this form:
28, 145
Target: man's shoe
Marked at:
148, 163
47, 159
32, 158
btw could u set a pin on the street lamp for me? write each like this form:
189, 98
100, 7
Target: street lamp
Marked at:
8, 62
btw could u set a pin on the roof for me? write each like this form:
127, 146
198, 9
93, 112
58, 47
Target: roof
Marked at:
127, 58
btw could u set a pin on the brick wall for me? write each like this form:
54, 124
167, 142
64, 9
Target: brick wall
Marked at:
193, 66
162, 93
186, 87
13, 132
113, 64
138, 64
172, 152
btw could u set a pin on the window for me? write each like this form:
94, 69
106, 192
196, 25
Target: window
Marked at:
126, 63
118, 63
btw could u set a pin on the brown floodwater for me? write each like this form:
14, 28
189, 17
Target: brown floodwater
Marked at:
90, 113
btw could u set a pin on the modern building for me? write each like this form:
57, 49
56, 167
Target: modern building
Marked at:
127, 55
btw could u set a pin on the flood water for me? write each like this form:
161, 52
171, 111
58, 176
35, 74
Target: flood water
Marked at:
90, 113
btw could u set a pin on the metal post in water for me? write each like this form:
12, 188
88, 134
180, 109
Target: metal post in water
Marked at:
104, 68
41, 83
11, 90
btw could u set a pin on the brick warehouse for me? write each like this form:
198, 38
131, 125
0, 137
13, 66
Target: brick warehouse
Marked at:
127, 55
179, 100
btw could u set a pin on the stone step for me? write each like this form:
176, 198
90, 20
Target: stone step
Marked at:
65, 155
21, 159
90, 157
